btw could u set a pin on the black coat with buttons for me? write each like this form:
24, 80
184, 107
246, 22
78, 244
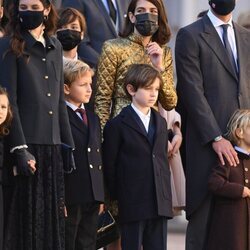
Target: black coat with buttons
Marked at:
137, 172
35, 85
85, 184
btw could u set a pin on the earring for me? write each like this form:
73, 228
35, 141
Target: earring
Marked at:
45, 18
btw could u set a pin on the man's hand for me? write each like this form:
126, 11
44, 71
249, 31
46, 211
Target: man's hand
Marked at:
225, 148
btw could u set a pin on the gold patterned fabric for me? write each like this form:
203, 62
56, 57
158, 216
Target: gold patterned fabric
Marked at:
117, 55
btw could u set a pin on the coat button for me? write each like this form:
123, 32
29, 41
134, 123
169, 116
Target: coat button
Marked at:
246, 181
46, 77
98, 150
89, 149
153, 155
91, 166
246, 169
100, 167
51, 112
48, 94
44, 59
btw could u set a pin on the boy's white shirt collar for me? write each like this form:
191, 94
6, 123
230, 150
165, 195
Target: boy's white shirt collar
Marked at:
74, 107
144, 118
243, 151
75, 58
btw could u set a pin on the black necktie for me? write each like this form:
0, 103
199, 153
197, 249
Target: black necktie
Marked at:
112, 10
228, 47
82, 112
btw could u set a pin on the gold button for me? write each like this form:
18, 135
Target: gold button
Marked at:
246, 181
98, 150
51, 112
89, 149
100, 167
44, 59
49, 94
90, 165
46, 77
246, 169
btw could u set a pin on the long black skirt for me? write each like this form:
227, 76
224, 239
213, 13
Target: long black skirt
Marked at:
36, 216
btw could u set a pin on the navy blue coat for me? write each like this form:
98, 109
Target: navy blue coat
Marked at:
137, 172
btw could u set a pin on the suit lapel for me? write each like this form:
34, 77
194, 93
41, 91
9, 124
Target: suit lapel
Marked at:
105, 14
121, 15
130, 119
213, 40
76, 121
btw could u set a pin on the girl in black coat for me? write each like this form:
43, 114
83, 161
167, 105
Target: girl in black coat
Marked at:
5, 119
31, 68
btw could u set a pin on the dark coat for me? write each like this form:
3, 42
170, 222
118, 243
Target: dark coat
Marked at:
210, 91
1, 194
137, 173
230, 221
85, 184
99, 25
35, 85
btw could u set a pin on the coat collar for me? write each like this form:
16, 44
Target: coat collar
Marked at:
212, 39
128, 117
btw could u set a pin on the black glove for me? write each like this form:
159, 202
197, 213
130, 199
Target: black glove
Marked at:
22, 156
68, 159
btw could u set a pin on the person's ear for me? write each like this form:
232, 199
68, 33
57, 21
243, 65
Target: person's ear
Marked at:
47, 11
130, 89
239, 133
132, 17
1, 12
66, 89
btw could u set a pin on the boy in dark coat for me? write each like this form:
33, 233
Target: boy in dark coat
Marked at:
84, 189
135, 163
230, 223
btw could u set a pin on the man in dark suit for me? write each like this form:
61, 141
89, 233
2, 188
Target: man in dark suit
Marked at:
84, 189
104, 18
213, 71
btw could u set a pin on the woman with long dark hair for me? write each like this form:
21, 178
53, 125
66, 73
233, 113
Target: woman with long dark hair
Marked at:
31, 70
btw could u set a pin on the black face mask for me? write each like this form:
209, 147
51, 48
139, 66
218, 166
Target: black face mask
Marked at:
69, 38
146, 24
30, 20
222, 7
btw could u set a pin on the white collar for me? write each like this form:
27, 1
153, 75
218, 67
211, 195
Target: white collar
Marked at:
147, 116
216, 21
243, 151
74, 107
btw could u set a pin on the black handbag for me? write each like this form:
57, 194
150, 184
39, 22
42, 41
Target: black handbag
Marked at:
107, 231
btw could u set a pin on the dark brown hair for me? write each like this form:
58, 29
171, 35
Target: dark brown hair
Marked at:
69, 15
141, 76
13, 28
4, 127
162, 35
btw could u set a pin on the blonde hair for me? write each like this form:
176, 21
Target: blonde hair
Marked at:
74, 69
239, 120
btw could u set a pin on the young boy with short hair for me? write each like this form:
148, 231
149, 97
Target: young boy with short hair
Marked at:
135, 163
84, 189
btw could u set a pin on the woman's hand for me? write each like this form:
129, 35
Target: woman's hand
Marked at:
155, 53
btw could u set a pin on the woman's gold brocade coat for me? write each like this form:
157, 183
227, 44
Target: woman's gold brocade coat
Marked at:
117, 55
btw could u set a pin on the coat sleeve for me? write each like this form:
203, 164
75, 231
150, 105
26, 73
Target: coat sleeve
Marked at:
8, 79
106, 75
220, 185
190, 87
167, 94
65, 130
111, 147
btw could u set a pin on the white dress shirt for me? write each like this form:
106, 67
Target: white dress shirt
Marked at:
230, 31
144, 118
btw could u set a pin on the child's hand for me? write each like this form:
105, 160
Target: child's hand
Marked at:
246, 192
101, 208
32, 164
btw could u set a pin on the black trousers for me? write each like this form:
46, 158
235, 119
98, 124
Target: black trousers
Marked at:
151, 234
81, 226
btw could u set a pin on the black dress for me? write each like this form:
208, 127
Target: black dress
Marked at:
35, 85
